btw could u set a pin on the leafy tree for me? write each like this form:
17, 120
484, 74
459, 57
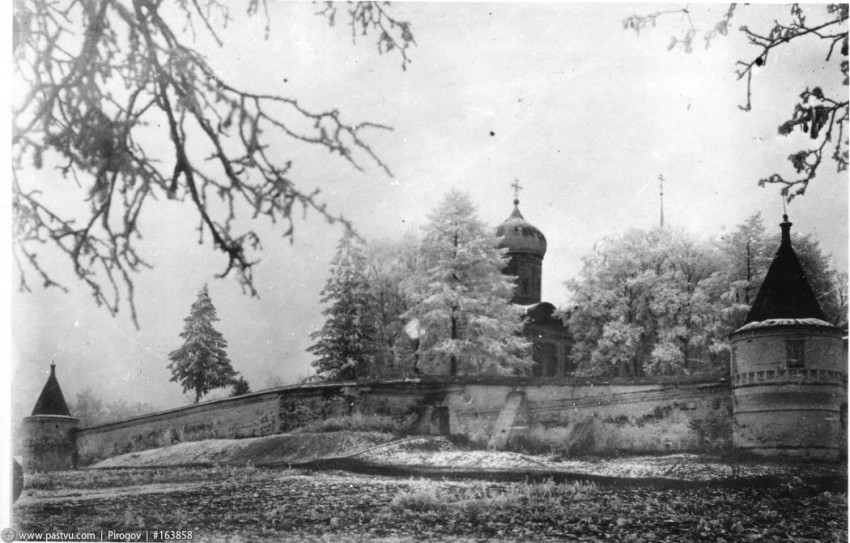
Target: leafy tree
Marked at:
388, 265
749, 254
87, 408
90, 410
659, 302
201, 364
841, 299
823, 279
121, 410
104, 83
461, 299
346, 342
642, 305
822, 112
240, 387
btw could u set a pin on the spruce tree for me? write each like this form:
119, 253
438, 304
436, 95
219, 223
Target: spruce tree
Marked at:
348, 338
240, 387
201, 364
462, 298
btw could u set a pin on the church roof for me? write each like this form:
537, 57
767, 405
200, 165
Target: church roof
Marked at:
542, 313
520, 236
785, 292
770, 323
51, 401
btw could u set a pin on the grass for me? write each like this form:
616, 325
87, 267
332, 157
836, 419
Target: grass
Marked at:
426, 495
250, 504
91, 479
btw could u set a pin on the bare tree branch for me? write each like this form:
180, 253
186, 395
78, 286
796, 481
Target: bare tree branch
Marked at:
822, 117
99, 74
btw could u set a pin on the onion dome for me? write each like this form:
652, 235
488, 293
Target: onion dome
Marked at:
785, 292
51, 401
520, 236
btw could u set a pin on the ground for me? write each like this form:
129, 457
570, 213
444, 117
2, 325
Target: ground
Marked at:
454, 495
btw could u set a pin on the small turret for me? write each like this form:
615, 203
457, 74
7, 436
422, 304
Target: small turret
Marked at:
50, 432
789, 379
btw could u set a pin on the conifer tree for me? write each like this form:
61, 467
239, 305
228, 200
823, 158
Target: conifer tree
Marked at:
462, 299
201, 364
348, 338
240, 387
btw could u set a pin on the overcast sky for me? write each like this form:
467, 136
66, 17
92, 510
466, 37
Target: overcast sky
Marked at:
585, 114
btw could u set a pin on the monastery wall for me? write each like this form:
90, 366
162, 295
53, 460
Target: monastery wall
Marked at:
251, 415
597, 417
570, 415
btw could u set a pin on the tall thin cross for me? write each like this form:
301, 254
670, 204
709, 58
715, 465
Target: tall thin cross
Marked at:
661, 192
517, 188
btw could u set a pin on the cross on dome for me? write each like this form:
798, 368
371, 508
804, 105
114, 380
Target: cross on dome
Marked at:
517, 187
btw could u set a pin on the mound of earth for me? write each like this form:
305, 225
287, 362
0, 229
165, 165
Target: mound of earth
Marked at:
376, 451
436, 452
259, 451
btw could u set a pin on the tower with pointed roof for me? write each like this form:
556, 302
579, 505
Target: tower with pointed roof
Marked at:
789, 378
50, 432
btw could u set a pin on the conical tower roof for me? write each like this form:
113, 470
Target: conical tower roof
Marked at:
51, 401
785, 292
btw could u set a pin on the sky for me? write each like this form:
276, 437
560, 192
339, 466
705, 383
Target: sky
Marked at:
585, 114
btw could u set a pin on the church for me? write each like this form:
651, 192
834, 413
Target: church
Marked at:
526, 247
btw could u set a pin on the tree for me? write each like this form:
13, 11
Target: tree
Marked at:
201, 364
90, 410
823, 117
659, 302
749, 251
820, 275
749, 254
240, 387
121, 410
461, 299
87, 408
98, 75
347, 340
841, 298
642, 305
388, 265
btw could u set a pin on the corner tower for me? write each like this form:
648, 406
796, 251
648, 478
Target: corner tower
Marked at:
526, 247
789, 379
50, 432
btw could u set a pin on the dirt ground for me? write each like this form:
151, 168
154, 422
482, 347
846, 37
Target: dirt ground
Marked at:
429, 489
229, 503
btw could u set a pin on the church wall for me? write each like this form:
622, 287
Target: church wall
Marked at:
606, 419
577, 415
251, 415
259, 414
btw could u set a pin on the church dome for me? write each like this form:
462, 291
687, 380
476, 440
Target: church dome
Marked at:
520, 236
